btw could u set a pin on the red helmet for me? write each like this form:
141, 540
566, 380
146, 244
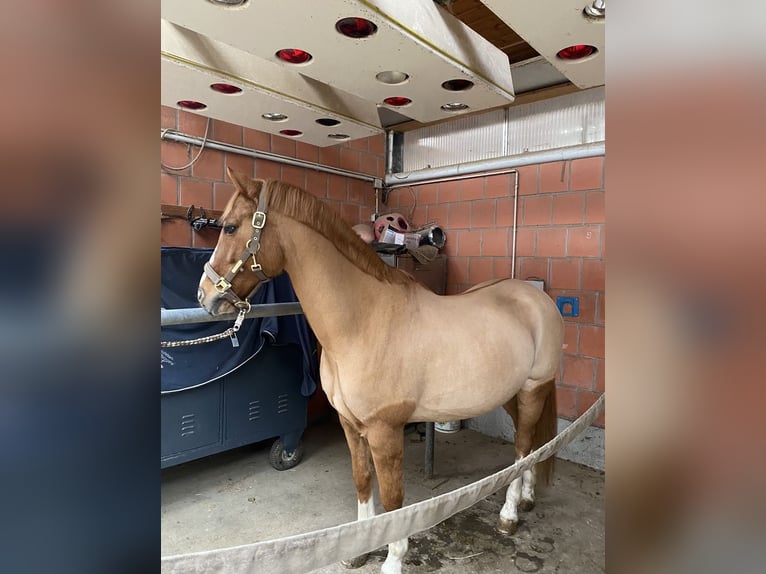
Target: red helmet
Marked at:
395, 221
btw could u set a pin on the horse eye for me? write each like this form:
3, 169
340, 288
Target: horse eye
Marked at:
229, 229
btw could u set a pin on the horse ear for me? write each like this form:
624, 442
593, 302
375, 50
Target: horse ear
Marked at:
243, 183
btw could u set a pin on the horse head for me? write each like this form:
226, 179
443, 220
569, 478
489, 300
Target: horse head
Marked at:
248, 252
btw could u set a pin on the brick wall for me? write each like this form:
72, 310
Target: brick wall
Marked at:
205, 184
561, 239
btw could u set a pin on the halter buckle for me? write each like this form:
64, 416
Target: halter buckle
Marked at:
256, 266
259, 219
222, 285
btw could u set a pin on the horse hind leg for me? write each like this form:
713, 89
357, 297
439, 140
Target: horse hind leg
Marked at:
360, 466
387, 445
534, 416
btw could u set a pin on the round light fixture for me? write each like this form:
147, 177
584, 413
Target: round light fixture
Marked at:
293, 56
226, 88
327, 122
291, 133
576, 52
458, 85
454, 107
392, 77
228, 2
596, 10
338, 136
191, 105
273, 117
355, 27
397, 101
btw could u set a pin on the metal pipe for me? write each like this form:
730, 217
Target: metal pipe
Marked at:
199, 315
429, 461
495, 164
175, 136
515, 221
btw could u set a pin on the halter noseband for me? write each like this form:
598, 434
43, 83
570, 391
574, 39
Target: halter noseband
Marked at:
253, 245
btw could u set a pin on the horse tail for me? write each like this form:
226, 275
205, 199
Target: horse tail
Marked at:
545, 429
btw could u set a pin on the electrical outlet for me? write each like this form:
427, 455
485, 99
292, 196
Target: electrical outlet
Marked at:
568, 306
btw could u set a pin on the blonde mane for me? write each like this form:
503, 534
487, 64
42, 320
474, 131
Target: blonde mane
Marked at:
294, 202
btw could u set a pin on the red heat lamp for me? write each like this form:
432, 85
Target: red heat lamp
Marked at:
397, 101
291, 133
225, 88
355, 27
191, 105
576, 52
294, 56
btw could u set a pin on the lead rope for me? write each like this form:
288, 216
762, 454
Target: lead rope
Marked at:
230, 332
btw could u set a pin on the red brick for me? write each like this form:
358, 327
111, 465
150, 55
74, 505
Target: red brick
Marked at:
282, 145
427, 194
469, 243
294, 175
196, 192
407, 201
240, 163
206, 237
525, 241
504, 212
600, 375
566, 402
551, 242
450, 246
316, 183
457, 269
592, 341
330, 156
226, 132
349, 159
494, 242
358, 144
306, 151
565, 273
502, 267
459, 215
337, 188
584, 241
600, 308
483, 213
359, 192
593, 274
192, 124
365, 214
449, 191
168, 117
479, 270
585, 400
498, 186
419, 215
554, 176
168, 189
472, 188
265, 169
568, 208
595, 209
455, 288
369, 164
578, 371
175, 155
529, 176
438, 214
175, 233
222, 193
586, 173
571, 336
209, 165
377, 145
537, 210
257, 140
350, 213
530, 267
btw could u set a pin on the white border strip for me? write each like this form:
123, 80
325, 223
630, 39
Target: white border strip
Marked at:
305, 552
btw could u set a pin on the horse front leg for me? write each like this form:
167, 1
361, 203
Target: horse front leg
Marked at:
387, 445
360, 466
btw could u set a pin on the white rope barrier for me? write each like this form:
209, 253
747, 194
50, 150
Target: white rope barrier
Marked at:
303, 553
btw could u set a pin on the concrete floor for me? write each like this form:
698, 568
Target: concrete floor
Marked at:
238, 498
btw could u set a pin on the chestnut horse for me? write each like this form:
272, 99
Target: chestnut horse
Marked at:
501, 342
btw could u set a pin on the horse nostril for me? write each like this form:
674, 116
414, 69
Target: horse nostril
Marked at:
200, 294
